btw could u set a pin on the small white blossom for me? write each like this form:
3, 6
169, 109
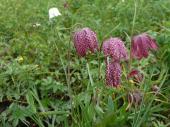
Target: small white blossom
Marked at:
53, 12
36, 25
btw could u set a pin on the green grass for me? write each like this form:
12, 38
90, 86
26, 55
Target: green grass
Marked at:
47, 84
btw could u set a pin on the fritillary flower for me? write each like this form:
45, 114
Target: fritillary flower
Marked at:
113, 74
66, 5
136, 75
36, 25
115, 48
141, 44
155, 89
53, 12
85, 40
135, 97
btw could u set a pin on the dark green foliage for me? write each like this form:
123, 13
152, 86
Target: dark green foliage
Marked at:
44, 83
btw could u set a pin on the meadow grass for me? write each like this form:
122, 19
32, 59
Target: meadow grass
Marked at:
44, 83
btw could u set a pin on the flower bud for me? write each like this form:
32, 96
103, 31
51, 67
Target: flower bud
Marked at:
155, 89
135, 75
135, 97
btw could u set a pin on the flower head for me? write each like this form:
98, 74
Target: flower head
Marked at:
115, 48
84, 40
155, 89
136, 75
36, 25
141, 44
113, 74
66, 5
53, 12
135, 97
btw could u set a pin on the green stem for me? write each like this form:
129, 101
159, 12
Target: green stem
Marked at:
68, 71
52, 113
91, 80
133, 26
89, 73
34, 94
99, 71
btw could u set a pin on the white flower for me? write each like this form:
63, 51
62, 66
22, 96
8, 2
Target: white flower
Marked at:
36, 25
53, 12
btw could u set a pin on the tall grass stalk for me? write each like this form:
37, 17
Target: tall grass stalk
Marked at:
132, 30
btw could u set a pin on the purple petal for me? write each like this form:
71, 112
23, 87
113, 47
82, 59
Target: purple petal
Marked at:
113, 74
84, 40
141, 44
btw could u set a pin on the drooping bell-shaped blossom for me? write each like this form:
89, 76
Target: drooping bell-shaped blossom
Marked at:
115, 48
135, 97
113, 74
53, 12
136, 75
155, 89
85, 40
141, 44
66, 5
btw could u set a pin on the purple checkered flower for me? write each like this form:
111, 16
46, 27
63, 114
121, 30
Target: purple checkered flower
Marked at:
115, 48
141, 44
84, 40
113, 74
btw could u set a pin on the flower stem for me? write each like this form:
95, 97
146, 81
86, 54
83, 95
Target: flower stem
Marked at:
91, 80
68, 71
52, 113
66, 68
133, 26
99, 64
89, 73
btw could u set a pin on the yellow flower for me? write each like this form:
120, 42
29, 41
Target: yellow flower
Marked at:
20, 59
